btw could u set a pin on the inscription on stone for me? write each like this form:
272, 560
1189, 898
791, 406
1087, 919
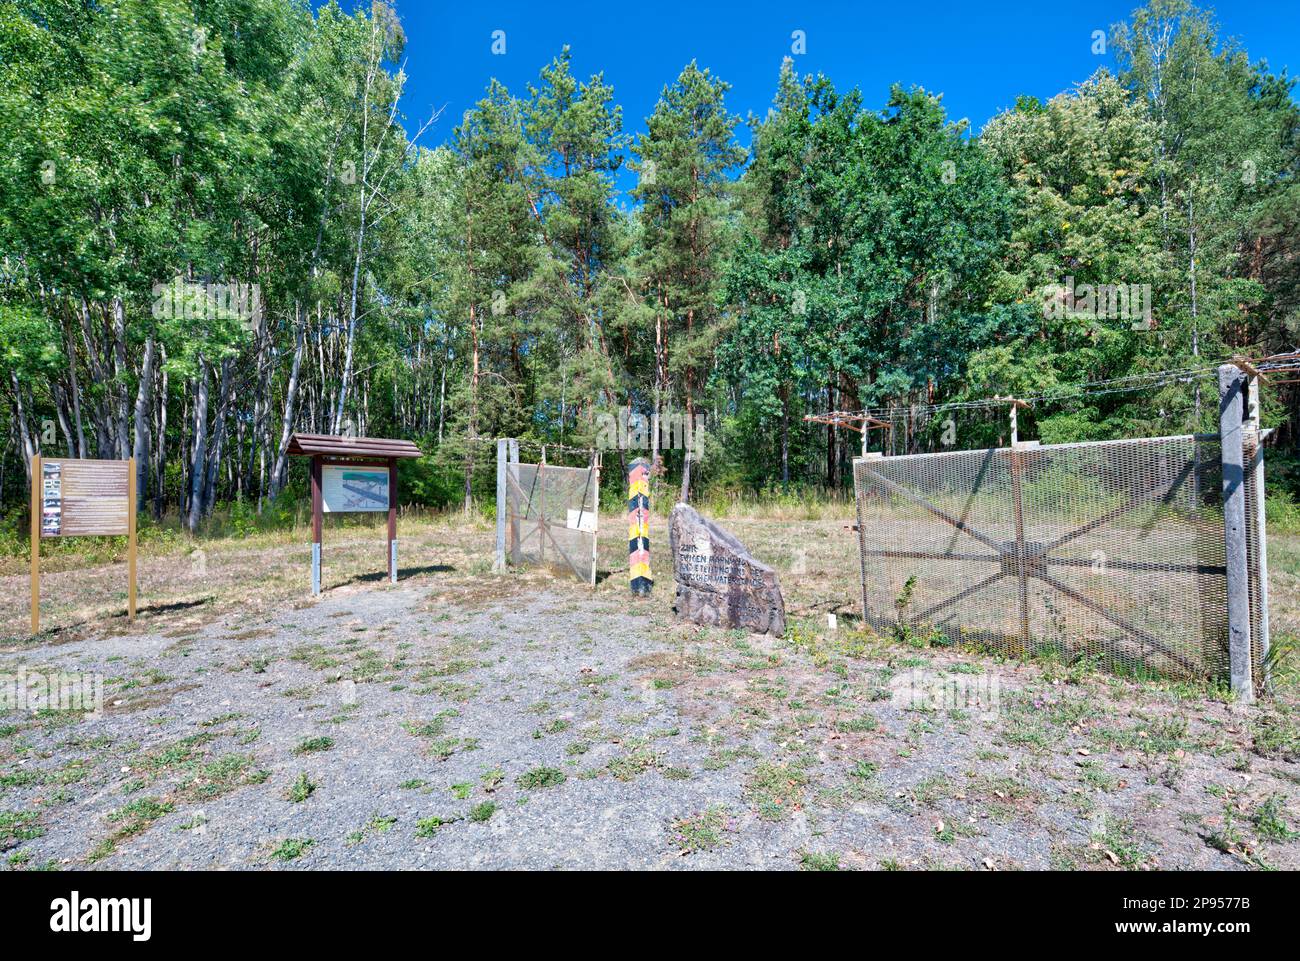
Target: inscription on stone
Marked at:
718, 582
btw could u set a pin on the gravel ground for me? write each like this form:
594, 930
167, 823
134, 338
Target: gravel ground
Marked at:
460, 720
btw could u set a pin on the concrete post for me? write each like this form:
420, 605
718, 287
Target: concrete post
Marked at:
1252, 423
512, 472
499, 563
1232, 401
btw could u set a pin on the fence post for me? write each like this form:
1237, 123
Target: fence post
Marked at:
38, 503
1252, 423
512, 470
638, 526
1232, 397
317, 506
595, 538
499, 564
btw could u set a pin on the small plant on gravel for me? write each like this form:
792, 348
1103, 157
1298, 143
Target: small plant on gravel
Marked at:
856, 725
775, 789
701, 832
140, 812
222, 776
380, 823
428, 827
314, 745
629, 766
290, 849
133, 819
492, 779
865, 770
1114, 841
462, 790
481, 813
1270, 821
540, 777
1276, 735
19, 826
1226, 838
412, 785
301, 789
434, 727
819, 861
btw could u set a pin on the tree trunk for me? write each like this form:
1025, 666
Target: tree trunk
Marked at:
218, 443
142, 437
20, 414
785, 437
198, 460
280, 473
160, 468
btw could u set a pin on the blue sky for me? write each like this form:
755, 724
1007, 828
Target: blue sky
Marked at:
979, 56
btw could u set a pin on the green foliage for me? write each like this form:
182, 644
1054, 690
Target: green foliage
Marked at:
867, 251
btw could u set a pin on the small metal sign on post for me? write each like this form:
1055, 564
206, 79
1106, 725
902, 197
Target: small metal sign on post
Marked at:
351, 475
82, 498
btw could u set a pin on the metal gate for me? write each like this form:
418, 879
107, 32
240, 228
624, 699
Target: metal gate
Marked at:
1112, 549
552, 514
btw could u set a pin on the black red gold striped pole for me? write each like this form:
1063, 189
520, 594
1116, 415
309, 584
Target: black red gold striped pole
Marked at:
638, 526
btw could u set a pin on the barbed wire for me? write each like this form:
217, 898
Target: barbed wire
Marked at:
1085, 389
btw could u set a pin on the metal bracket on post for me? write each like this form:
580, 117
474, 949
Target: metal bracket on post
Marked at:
1232, 401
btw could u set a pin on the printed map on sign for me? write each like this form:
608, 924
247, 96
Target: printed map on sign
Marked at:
346, 489
83, 497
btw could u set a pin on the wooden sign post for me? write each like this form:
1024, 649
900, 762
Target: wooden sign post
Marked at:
351, 475
82, 498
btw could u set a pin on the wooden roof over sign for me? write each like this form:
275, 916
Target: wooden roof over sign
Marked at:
309, 445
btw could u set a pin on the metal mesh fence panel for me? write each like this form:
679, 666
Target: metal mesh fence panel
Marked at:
1113, 550
552, 517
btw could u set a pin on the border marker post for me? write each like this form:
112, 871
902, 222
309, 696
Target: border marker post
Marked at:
638, 527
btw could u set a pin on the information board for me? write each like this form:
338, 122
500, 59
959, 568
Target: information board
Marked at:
347, 489
72, 497
84, 497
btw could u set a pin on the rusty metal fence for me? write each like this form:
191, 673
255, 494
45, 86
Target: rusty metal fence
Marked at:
1112, 549
551, 514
